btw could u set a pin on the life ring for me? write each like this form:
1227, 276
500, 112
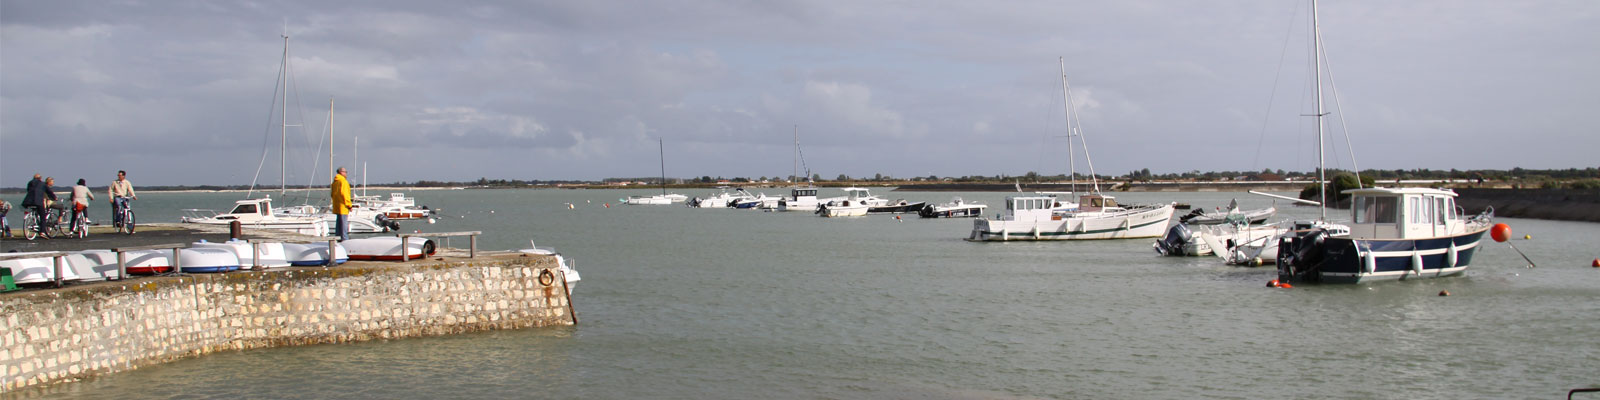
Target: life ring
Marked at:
546, 278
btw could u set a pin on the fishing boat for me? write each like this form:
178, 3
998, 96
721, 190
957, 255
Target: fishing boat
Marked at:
956, 208
1394, 233
801, 199
256, 213
1097, 216
567, 265
387, 248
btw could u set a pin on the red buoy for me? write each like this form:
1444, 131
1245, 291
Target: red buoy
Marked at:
1285, 285
1596, 263
1500, 232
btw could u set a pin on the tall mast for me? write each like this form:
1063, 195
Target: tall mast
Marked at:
661, 145
330, 139
794, 172
283, 145
1072, 161
1316, 69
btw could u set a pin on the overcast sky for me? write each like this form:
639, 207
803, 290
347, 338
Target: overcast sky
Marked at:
183, 92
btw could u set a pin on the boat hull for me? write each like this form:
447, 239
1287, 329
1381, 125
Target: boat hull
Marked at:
38, 270
1144, 222
388, 248
1341, 259
207, 260
898, 208
837, 211
952, 212
313, 254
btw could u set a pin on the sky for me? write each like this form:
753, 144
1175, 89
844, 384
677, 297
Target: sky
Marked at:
186, 92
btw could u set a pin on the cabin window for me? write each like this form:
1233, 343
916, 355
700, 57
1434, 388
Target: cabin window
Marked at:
1377, 210
245, 209
1413, 209
1441, 212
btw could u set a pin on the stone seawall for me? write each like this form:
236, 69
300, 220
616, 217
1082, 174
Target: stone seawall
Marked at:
51, 336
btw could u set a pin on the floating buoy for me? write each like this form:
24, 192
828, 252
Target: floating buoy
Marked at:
608, 205
1255, 262
1527, 237
1596, 263
1285, 285
416, 231
1272, 283
1500, 232
1443, 293
430, 220
569, 206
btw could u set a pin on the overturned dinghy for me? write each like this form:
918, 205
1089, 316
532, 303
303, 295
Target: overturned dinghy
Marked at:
313, 254
148, 262
388, 248
207, 260
94, 265
37, 270
268, 255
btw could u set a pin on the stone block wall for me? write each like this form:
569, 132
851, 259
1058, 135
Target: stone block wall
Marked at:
49, 336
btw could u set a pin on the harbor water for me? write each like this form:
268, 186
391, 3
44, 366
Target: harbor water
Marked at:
678, 302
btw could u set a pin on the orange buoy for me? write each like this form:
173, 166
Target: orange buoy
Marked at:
1272, 283
1500, 232
1443, 293
1285, 285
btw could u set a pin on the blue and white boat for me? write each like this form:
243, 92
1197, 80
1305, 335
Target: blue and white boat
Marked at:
1395, 233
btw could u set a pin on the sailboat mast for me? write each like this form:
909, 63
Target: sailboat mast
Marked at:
283, 145
1316, 69
794, 170
1066, 101
330, 139
661, 145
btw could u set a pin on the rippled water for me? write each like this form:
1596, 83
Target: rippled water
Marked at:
693, 303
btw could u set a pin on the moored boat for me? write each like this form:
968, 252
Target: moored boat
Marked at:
266, 255
207, 260
1395, 233
313, 254
257, 213
956, 208
898, 207
567, 265
1097, 217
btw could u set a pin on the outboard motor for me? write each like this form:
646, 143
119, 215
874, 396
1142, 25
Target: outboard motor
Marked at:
387, 224
1301, 254
1172, 244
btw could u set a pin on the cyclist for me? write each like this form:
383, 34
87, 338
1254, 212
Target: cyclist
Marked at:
80, 201
39, 196
121, 190
5, 225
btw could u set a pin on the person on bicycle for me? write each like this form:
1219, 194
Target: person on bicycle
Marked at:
5, 225
121, 190
80, 201
38, 197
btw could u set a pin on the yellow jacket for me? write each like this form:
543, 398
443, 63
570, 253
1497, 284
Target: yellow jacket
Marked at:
341, 195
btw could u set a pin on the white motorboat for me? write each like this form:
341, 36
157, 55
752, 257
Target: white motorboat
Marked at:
956, 208
362, 219
256, 213
266, 255
396, 207
801, 199
719, 200
38, 270
313, 254
1097, 217
843, 208
755, 201
205, 260
1232, 215
656, 200
567, 265
387, 248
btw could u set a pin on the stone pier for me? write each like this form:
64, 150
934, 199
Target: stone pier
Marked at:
60, 335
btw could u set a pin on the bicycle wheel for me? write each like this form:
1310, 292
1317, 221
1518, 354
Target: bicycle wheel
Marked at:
80, 228
127, 222
30, 226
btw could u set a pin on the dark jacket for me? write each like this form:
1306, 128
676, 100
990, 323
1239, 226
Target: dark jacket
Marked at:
35, 196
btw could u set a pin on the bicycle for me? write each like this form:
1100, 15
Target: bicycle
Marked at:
80, 227
122, 214
52, 223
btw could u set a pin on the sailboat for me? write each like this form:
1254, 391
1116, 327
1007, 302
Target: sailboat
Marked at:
664, 198
1097, 216
1394, 233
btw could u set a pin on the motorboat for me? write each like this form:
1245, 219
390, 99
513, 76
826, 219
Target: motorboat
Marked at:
898, 207
803, 199
1232, 215
719, 200
843, 208
257, 213
1235, 244
956, 208
265, 254
567, 265
314, 254
362, 219
755, 201
1097, 217
1394, 233
656, 200
387, 248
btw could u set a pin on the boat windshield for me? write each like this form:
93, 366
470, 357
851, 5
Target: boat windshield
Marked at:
249, 208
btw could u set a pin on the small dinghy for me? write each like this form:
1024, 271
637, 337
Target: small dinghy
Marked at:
313, 254
387, 248
207, 260
94, 265
148, 262
38, 270
271, 254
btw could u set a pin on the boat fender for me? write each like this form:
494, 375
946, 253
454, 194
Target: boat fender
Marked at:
546, 278
1416, 262
1369, 261
1450, 258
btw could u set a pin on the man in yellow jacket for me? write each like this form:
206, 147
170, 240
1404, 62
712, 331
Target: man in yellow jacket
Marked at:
341, 205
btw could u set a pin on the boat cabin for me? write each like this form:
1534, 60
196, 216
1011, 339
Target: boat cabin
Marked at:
805, 192
1095, 202
249, 210
854, 193
1402, 213
1031, 208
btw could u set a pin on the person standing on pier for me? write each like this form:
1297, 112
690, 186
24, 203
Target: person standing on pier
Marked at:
341, 205
121, 190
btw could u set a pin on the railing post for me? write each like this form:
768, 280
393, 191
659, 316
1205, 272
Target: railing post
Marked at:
405, 250
122, 265
332, 252
472, 246
60, 260
255, 255
177, 260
